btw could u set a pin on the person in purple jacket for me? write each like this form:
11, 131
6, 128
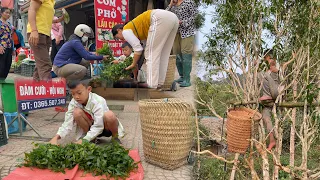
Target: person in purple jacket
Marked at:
71, 60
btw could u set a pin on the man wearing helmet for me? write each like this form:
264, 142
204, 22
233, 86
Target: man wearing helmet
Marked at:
69, 61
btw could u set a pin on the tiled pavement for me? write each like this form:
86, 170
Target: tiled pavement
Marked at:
13, 153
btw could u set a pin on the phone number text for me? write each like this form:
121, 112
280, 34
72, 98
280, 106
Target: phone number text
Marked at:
40, 104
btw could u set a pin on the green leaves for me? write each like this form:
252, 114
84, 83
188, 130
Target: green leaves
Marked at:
110, 160
312, 92
199, 20
115, 72
106, 51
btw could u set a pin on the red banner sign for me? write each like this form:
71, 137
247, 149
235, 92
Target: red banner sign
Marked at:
33, 95
28, 89
109, 13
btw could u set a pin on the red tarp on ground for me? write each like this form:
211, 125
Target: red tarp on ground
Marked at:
25, 173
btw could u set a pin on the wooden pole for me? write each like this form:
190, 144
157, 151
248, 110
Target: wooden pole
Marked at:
283, 104
293, 125
234, 168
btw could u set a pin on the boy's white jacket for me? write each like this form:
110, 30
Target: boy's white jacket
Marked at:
96, 107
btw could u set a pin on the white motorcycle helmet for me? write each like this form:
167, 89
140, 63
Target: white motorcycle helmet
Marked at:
82, 29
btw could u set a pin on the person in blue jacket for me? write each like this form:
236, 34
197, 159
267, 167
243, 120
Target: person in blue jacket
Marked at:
71, 60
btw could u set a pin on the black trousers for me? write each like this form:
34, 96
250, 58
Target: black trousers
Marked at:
17, 46
55, 48
5, 63
158, 4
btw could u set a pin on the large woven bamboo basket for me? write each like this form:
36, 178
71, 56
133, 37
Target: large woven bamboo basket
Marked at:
166, 131
170, 73
239, 128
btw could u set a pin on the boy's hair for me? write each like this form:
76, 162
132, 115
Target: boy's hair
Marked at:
269, 52
125, 44
74, 83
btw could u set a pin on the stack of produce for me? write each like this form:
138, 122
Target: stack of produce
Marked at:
106, 51
111, 160
114, 72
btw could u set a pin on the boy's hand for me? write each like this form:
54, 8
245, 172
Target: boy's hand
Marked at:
54, 140
79, 142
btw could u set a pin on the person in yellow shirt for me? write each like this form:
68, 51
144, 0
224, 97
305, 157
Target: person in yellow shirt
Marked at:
40, 19
159, 28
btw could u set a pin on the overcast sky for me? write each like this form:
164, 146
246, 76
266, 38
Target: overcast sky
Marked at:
206, 29
201, 34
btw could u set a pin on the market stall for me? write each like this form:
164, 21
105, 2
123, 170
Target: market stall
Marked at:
101, 16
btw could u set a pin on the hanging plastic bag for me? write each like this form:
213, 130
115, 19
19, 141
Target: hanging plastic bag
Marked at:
141, 76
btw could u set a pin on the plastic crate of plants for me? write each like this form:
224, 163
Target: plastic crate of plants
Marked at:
17, 69
3, 131
27, 68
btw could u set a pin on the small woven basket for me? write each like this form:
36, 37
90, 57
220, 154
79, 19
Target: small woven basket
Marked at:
239, 128
170, 73
166, 131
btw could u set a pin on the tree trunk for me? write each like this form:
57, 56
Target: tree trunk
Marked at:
234, 168
250, 161
265, 162
305, 126
293, 125
304, 143
278, 133
263, 152
282, 104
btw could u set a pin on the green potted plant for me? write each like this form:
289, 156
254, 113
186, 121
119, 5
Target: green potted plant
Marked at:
96, 82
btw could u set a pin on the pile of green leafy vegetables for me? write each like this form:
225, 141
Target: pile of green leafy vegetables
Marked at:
115, 72
106, 51
111, 160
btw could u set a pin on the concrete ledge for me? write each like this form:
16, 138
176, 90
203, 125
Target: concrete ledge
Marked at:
115, 93
132, 94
